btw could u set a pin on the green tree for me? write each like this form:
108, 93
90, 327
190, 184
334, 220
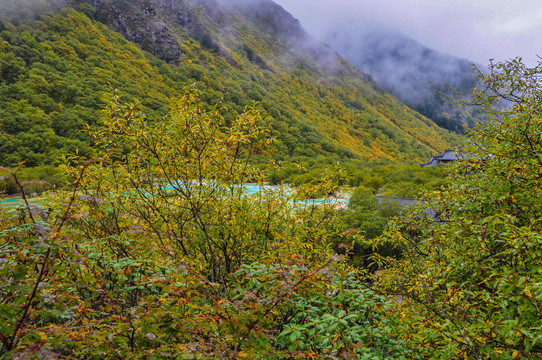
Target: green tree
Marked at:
157, 251
365, 218
470, 282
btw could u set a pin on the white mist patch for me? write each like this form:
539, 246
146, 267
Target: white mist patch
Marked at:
474, 29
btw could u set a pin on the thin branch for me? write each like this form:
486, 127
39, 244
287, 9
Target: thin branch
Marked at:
41, 274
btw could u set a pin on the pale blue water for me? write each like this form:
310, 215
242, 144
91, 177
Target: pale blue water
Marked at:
253, 189
250, 189
14, 201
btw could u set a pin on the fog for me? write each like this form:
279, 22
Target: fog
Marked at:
477, 30
402, 66
15, 10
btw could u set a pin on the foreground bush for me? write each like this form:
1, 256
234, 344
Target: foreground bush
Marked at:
470, 282
156, 252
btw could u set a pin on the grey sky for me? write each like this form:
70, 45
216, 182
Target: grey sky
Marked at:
473, 29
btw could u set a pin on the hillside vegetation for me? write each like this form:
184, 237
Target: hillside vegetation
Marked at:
55, 69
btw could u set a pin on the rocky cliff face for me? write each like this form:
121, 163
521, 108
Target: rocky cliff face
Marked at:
161, 26
146, 22
273, 19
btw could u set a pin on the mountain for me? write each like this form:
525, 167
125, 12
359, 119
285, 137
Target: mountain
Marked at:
58, 58
428, 81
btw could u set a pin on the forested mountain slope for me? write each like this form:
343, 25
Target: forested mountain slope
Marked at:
428, 81
55, 65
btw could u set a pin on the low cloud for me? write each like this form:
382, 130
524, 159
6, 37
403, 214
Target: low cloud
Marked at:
472, 29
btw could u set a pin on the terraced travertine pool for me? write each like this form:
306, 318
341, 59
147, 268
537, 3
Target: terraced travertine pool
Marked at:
251, 189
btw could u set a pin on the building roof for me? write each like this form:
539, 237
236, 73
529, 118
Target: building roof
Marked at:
447, 155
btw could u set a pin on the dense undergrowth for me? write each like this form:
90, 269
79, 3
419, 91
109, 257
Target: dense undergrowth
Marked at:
154, 251
157, 252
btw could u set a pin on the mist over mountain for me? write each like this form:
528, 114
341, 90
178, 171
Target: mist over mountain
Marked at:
428, 81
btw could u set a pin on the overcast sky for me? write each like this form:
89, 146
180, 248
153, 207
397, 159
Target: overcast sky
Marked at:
477, 30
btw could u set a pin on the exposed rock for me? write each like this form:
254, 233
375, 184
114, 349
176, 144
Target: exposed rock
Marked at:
146, 22
273, 19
